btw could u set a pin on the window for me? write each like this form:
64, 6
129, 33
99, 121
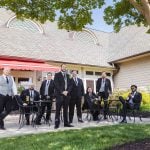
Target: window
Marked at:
108, 74
90, 83
23, 80
98, 73
89, 72
25, 24
86, 36
14, 79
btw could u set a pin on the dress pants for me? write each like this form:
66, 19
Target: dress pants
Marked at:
5, 107
62, 101
29, 110
75, 101
45, 106
104, 97
126, 106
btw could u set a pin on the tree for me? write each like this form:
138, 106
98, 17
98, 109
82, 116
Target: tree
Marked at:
128, 12
75, 14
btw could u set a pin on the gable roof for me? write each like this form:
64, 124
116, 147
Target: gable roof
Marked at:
57, 45
130, 41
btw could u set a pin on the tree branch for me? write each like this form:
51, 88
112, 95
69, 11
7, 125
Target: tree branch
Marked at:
146, 4
137, 6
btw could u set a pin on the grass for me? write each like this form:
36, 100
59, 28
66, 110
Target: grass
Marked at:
99, 138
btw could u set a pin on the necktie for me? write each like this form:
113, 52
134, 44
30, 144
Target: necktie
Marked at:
65, 78
7, 80
31, 94
48, 83
76, 81
103, 81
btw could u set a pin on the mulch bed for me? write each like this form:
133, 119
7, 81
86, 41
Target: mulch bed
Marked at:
137, 145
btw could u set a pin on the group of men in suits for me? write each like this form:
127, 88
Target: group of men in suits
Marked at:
68, 92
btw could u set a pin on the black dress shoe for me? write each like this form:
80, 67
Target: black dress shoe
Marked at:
56, 126
81, 121
123, 121
27, 123
68, 125
2, 128
38, 123
105, 118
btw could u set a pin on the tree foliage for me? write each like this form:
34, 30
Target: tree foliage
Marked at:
75, 14
124, 13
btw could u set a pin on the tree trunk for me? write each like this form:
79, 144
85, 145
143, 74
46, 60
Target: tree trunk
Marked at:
144, 9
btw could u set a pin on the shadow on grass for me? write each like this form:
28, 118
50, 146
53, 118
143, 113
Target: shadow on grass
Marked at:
98, 138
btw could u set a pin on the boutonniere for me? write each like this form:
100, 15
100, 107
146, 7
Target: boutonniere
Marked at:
70, 76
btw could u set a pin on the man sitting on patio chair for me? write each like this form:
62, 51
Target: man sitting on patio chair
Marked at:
92, 103
133, 102
28, 97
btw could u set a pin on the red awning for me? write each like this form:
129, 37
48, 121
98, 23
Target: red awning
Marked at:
22, 65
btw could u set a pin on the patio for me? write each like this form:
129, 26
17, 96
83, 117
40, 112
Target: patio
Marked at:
12, 126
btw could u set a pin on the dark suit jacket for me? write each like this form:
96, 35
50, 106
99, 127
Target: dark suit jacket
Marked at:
136, 100
77, 90
88, 101
27, 93
60, 83
51, 89
107, 88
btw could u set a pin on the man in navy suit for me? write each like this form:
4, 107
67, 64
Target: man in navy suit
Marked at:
28, 96
133, 101
103, 89
76, 96
62, 91
47, 94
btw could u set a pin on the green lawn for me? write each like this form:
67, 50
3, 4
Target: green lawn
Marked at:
98, 138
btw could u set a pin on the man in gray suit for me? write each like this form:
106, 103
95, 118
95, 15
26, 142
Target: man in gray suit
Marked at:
6, 94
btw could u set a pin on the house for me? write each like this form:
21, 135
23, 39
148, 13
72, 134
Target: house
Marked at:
90, 52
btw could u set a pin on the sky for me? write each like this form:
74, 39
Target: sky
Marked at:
99, 23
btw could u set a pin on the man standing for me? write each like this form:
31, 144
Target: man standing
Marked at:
47, 94
62, 89
6, 94
28, 96
76, 95
133, 101
103, 89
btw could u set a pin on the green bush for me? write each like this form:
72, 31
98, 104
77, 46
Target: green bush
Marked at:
20, 89
145, 105
145, 98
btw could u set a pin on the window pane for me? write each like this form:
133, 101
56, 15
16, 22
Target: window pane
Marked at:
98, 73
89, 73
90, 83
23, 79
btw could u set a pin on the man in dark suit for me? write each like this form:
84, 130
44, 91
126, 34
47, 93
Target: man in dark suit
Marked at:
47, 94
76, 96
133, 102
103, 89
62, 91
28, 96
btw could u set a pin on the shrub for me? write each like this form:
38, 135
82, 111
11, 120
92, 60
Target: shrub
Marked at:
145, 98
20, 89
145, 105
